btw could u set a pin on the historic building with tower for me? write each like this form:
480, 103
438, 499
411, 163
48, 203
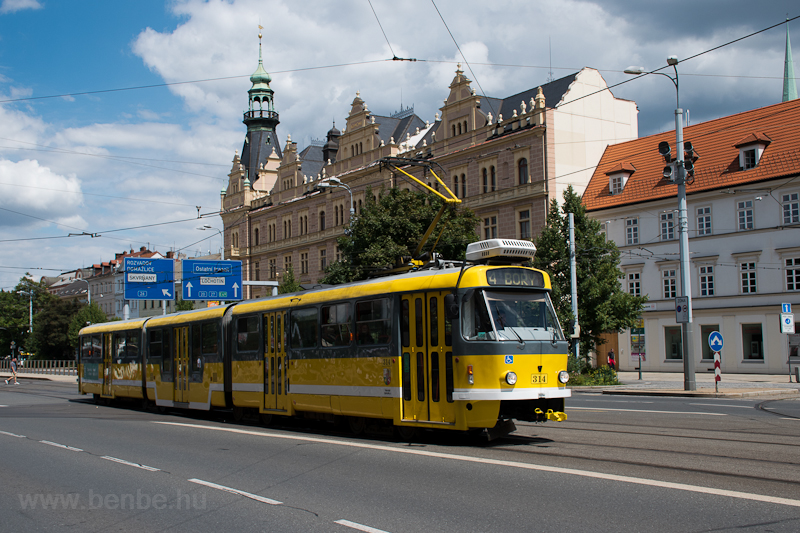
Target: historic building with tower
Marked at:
505, 158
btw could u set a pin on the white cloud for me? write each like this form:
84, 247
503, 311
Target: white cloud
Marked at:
12, 6
31, 189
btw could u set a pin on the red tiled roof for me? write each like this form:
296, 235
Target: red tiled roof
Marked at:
718, 167
753, 138
622, 167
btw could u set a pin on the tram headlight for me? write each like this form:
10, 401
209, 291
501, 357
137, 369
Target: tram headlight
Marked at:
563, 376
511, 378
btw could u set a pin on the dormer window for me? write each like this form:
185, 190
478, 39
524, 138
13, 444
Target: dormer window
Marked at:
750, 150
618, 177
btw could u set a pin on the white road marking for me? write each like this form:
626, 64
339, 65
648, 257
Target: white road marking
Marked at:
255, 497
137, 465
359, 527
511, 464
57, 445
723, 405
782, 418
646, 411
12, 434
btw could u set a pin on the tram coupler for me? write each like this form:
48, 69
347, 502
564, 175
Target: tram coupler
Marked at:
556, 416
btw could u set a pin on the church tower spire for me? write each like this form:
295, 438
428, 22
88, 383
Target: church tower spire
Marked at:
261, 120
789, 85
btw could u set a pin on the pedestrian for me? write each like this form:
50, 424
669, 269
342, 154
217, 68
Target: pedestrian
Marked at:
611, 362
13, 371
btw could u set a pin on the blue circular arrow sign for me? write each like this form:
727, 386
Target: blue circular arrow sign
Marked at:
715, 341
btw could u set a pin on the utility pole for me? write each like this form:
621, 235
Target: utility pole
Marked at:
576, 328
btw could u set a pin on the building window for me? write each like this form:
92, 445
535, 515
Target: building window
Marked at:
485, 181
707, 280
791, 208
525, 225
745, 215
287, 263
792, 273
669, 280
703, 221
323, 260
322, 220
752, 342
705, 331
255, 237
674, 345
522, 168
257, 271
494, 178
304, 263
632, 230
634, 284
615, 184
667, 226
455, 185
490, 228
273, 268
604, 231
338, 253
748, 275
749, 158
463, 186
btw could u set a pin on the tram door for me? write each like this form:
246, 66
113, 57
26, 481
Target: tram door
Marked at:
427, 369
275, 362
108, 358
181, 363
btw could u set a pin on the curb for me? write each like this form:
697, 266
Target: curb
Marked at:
790, 393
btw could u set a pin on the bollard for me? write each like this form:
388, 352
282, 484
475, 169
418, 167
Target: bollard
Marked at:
797, 374
717, 372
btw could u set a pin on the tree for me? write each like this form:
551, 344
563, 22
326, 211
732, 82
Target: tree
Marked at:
183, 305
392, 228
88, 314
602, 304
50, 339
289, 283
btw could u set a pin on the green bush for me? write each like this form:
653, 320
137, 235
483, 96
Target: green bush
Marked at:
604, 375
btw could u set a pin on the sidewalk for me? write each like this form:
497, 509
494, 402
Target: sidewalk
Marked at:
671, 384
22, 377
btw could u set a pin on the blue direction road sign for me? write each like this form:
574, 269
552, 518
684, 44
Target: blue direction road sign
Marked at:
786, 308
212, 280
149, 279
715, 341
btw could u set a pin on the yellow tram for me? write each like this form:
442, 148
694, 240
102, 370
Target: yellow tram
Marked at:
454, 346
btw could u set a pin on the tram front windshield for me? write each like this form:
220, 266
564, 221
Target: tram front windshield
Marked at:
509, 315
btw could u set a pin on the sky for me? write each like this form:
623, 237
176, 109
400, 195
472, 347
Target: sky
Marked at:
119, 120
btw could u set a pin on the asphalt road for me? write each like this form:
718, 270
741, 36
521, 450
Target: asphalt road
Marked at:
617, 464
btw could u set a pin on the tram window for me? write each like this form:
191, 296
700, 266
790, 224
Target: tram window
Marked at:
132, 345
448, 375
336, 325
434, 317
197, 345
304, 328
475, 322
272, 334
247, 334
420, 376
279, 333
97, 347
419, 324
156, 345
166, 364
434, 376
210, 338
86, 347
405, 325
373, 324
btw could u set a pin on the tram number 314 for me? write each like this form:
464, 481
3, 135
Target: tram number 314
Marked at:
538, 378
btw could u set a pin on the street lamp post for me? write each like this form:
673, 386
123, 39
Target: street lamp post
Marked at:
88, 290
689, 382
222, 249
336, 183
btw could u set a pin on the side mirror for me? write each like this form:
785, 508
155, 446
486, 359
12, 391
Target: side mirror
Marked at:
451, 306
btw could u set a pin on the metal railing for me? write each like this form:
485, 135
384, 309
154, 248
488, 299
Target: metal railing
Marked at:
52, 367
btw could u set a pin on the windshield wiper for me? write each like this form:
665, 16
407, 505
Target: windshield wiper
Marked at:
522, 342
